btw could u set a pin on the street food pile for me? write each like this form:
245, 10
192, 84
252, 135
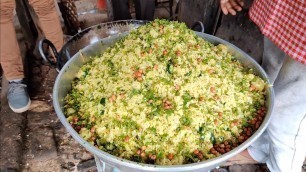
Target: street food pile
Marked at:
162, 95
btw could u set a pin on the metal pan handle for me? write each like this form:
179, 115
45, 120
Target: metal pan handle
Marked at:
198, 26
45, 54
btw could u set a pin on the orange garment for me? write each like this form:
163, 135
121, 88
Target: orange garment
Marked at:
10, 57
101, 4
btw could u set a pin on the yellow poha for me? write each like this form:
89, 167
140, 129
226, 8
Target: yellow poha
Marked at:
163, 95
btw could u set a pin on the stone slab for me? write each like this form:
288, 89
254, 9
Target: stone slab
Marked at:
11, 138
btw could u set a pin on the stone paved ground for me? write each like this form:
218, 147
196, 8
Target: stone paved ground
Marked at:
36, 140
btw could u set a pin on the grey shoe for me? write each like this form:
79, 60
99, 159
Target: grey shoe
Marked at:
18, 97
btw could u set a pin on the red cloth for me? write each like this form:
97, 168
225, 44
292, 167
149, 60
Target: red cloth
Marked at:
101, 4
284, 23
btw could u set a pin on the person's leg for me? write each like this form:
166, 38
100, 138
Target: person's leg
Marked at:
273, 59
272, 62
149, 9
144, 9
121, 10
287, 128
138, 12
10, 57
11, 61
49, 21
282, 148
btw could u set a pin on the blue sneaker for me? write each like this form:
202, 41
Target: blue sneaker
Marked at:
18, 97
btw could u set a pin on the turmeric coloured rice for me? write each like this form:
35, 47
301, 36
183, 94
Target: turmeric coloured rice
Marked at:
161, 95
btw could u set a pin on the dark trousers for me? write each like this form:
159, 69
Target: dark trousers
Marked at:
144, 9
121, 10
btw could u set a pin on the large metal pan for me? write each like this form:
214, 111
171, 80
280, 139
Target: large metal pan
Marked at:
67, 73
84, 38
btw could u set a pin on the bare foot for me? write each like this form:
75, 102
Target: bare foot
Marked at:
242, 158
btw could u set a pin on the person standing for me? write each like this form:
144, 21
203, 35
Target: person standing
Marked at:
10, 56
144, 9
283, 23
